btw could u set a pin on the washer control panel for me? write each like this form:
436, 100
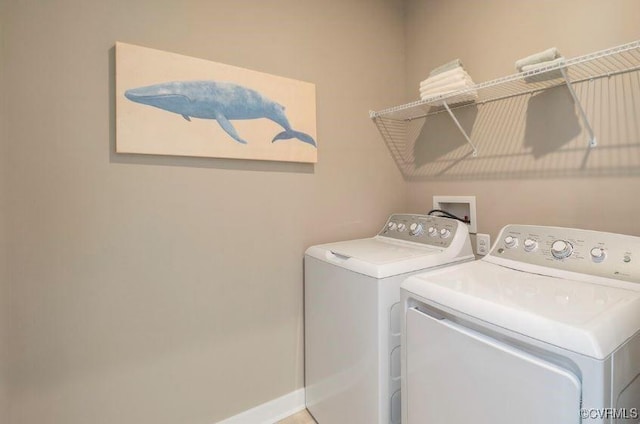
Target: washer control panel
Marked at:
587, 252
425, 229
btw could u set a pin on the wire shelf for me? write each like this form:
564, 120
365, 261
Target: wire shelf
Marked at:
605, 63
394, 123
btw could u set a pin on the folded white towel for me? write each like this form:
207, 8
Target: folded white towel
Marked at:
444, 75
452, 86
455, 63
543, 56
543, 76
463, 76
456, 86
554, 62
470, 96
438, 85
448, 83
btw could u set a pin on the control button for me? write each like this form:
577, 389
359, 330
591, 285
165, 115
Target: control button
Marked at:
401, 227
530, 245
598, 255
627, 258
445, 233
510, 242
416, 229
433, 232
561, 249
391, 226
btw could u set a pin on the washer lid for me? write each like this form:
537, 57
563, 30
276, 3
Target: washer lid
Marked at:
382, 257
378, 251
591, 319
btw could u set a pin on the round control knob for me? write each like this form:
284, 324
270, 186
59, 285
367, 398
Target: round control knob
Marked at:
433, 232
416, 229
510, 242
561, 249
445, 233
530, 245
401, 227
392, 226
598, 254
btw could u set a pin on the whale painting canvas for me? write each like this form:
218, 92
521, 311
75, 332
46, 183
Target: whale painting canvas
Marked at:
177, 105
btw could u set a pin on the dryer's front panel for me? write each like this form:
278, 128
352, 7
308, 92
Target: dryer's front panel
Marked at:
457, 375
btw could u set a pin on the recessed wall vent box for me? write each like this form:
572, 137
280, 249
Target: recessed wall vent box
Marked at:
460, 206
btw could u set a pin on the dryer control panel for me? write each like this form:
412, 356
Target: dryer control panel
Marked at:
425, 229
583, 251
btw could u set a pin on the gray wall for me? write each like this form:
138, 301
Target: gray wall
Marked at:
4, 304
533, 164
169, 290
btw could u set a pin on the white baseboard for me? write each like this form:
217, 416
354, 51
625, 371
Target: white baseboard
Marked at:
270, 412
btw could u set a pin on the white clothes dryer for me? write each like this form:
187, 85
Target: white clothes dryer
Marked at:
353, 315
545, 329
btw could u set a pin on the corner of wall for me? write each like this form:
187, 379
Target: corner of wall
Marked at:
3, 269
4, 281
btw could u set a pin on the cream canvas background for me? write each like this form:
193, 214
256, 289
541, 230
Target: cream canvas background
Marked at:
147, 129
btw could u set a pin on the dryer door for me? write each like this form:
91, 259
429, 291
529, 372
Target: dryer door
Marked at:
456, 375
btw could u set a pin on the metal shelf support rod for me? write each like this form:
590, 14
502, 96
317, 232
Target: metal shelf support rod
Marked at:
592, 138
464, 133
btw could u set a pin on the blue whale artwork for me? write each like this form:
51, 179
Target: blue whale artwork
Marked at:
222, 101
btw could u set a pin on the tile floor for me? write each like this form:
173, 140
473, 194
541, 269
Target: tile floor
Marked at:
302, 417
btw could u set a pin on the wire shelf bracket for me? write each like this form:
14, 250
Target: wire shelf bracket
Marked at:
464, 133
585, 120
605, 63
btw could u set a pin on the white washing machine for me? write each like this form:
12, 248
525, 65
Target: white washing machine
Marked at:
353, 315
545, 329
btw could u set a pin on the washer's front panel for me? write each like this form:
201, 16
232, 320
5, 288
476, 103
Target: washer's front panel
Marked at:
341, 344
